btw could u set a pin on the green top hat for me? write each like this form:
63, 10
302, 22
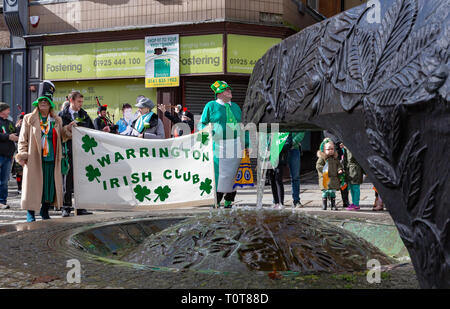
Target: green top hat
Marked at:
46, 90
219, 87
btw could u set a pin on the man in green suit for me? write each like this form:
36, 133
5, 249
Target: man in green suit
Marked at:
225, 117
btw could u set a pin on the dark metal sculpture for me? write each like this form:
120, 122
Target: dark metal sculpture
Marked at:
242, 241
376, 76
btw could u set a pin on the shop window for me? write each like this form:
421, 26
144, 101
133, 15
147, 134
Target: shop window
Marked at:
35, 61
314, 4
6, 74
6, 68
6, 93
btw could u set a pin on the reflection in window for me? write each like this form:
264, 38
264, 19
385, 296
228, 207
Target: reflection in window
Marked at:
6, 66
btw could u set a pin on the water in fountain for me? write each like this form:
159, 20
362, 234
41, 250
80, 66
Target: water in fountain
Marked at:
261, 169
262, 240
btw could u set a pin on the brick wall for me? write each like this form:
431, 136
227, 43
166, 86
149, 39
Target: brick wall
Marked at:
89, 15
4, 33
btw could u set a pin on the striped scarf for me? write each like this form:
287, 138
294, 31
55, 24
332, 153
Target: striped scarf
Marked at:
140, 123
45, 129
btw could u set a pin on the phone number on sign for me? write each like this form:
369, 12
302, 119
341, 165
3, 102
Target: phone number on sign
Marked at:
242, 61
123, 61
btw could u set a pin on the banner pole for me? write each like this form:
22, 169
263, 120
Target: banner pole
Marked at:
213, 173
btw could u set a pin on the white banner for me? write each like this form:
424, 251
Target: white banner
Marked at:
122, 172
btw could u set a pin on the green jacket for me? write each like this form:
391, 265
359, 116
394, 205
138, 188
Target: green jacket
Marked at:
353, 170
333, 167
216, 114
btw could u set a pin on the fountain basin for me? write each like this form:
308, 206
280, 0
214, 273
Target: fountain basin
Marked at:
234, 241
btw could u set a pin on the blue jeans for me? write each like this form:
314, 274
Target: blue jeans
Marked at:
294, 169
5, 170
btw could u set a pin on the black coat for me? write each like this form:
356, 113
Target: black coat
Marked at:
99, 124
7, 147
176, 118
67, 118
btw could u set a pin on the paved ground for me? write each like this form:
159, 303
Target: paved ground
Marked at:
309, 193
35, 255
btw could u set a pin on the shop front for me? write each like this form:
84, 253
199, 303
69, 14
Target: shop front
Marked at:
115, 71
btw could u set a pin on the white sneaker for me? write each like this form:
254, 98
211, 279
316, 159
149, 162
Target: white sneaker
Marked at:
298, 205
278, 206
4, 206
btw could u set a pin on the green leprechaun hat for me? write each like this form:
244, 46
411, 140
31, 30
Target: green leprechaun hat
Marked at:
219, 87
46, 90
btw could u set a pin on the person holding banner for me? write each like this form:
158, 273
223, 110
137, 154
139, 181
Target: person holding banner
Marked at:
225, 117
148, 125
40, 154
73, 112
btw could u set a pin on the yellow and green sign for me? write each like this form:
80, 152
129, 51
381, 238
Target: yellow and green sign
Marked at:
114, 93
94, 60
201, 54
162, 61
243, 51
197, 54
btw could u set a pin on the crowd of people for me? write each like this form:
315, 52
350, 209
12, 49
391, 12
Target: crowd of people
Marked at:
44, 144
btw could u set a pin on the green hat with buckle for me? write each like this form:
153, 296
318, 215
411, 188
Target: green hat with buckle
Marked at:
219, 87
46, 90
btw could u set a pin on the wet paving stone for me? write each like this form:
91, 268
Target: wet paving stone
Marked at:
23, 250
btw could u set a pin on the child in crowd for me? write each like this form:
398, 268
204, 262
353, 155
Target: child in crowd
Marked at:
329, 168
354, 174
378, 204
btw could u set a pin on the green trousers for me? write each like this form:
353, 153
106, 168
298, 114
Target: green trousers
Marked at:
331, 193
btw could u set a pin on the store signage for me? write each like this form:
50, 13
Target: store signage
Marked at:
243, 51
114, 93
121, 172
94, 60
201, 54
162, 66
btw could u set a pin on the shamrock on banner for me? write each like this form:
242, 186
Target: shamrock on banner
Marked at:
205, 186
92, 173
163, 193
89, 143
141, 193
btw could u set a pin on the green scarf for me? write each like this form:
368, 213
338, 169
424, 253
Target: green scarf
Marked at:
144, 119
